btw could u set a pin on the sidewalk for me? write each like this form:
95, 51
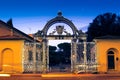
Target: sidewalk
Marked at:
61, 76
65, 75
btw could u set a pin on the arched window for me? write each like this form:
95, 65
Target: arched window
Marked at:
110, 52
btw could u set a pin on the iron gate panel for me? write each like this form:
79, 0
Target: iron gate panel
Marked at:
90, 63
31, 49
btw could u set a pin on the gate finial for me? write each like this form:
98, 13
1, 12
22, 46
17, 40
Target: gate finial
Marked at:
59, 13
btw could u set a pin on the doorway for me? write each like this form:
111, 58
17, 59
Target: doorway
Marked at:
111, 60
7, 60
60, 55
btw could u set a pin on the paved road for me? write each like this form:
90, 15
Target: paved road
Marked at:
62, 77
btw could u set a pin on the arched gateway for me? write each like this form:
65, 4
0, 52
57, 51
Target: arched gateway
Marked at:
75, 37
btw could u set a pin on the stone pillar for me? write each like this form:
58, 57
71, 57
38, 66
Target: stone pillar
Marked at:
25, 56
47, 58
45, 55
85, 54
34, 58
73, 56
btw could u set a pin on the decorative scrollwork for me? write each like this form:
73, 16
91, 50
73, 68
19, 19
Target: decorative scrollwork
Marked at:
60, 30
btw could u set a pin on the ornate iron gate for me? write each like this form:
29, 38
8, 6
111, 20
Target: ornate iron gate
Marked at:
81, 61
33, 57
83, 56
86, 61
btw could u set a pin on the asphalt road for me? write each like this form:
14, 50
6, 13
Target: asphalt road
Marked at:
61, 77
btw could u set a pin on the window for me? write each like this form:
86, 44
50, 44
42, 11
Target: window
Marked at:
37, 55
30, 57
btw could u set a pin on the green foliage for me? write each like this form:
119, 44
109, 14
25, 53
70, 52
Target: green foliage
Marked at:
66, 49
52, 54
104, 24
64, 46
52, 48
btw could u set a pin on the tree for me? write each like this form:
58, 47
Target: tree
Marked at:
52, 55
61, 55
65, 48
104, 24
52, 48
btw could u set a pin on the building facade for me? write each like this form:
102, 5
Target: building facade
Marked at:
12, 44
108, 54
20, 53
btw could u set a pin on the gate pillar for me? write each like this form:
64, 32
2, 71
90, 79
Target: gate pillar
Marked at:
34, 58
85, 54
45, 56
73, 55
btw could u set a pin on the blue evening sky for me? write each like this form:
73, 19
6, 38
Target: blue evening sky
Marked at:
30, 16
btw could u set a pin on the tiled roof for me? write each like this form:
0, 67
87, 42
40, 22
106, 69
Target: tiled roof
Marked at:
27, 37
8, 37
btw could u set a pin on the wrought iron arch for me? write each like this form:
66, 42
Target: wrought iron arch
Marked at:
60, 19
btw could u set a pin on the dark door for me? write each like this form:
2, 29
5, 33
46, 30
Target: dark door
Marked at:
111, 64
